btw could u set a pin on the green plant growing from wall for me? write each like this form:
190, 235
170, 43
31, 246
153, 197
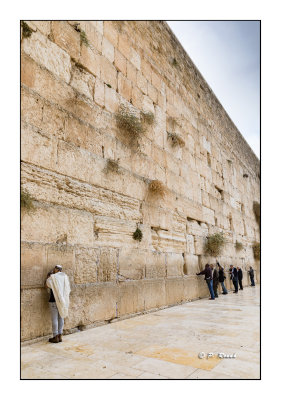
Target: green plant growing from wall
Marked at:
137, 235
147, 117
215, 244
176, 139
83, 36
257, 250
26, 201
239, 246
157, 188
129, 123
112, 165
26, 30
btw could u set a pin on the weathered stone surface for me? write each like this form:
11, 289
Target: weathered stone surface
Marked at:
86, 265
86, 212
130, 298
107, 268
155, 265
132, 264
191, 266
48, 224
48, 54
174, 264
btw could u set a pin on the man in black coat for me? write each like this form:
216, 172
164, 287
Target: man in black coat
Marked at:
234, 278
209, 279
222, 278
240, 277
251, 273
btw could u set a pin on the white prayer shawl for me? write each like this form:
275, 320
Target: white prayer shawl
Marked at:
59, 283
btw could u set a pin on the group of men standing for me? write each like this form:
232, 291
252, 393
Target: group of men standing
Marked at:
214, 274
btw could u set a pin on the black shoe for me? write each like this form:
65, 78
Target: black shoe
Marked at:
225, 293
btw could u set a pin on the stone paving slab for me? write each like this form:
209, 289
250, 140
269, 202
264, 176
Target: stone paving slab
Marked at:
160, 345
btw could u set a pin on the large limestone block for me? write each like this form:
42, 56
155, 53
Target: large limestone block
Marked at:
91, 303
86, 265
35, 314
31, 108
114, 231
79, 163
50, 224
174, 264
33, 264
190, 288
82, 135
203, 290
107, 49
83, 82
49, 186
168, 241
48, 54
91, 60
108, 72
154, 293
174, 291
132, 264
38, 148
199, 244
191, 266
208, 215
61, 254
155, 265
110, 32
190, 249
107, 268
44, 83
42, 26
155, 216
130, 298
67, 38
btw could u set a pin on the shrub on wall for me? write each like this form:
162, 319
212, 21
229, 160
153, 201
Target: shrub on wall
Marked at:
26, 31
137, 235
257, 250
176, 139
215, 244
156, 187
239, 246
26, 202
112, 165
129, 123
147, 117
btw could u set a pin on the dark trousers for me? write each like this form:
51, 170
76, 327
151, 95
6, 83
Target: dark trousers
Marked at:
252, 281
235, 283
215, 285
240, 284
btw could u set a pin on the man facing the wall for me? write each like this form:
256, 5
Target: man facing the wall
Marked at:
58, 283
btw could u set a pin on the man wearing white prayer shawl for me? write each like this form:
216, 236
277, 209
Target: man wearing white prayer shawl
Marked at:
58, 282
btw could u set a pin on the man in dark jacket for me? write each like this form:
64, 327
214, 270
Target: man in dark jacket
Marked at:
234, 277
222, 277
215, 279
251, 273
240, 277
209, 279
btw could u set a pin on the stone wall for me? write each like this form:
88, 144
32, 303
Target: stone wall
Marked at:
75, 77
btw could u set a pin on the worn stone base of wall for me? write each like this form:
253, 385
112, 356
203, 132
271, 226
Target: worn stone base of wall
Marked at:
91, 304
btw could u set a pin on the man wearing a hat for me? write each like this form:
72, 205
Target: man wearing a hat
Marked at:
58, 283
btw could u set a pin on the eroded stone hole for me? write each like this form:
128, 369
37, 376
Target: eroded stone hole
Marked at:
220, 192
209, 159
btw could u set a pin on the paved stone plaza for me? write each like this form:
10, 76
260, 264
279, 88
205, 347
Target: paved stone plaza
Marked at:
160, 345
